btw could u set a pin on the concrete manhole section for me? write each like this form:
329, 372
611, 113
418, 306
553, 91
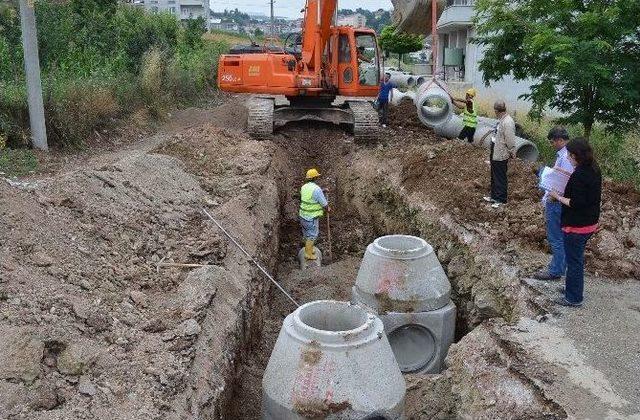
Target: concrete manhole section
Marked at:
402, 281
332, 358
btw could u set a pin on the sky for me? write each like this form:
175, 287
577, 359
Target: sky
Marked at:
291, 8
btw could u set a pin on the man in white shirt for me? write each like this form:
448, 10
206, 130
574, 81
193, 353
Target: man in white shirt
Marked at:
558, 137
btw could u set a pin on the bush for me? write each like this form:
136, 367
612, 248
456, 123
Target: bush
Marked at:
75, 108
100, 60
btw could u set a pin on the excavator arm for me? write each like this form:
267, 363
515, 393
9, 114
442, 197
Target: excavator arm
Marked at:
317, 30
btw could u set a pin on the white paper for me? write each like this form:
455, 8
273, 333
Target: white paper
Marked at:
553, 180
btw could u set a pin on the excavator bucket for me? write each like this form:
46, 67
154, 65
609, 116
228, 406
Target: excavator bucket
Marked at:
414, 16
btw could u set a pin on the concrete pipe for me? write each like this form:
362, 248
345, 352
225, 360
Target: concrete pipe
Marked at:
422, 79
525, 149
332, 360
399, 96
434, 105
402, 281
402, 80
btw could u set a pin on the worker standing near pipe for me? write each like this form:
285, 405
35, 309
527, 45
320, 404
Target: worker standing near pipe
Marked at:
503, 147
469, 115
558, 137
385, 95
312, 205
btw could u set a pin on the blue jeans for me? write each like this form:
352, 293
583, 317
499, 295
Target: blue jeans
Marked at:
574, 244
310, 228
552, 212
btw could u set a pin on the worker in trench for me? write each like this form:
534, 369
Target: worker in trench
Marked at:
313, 204
469, 115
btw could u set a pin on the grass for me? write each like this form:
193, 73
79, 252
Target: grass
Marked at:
231, 38
17, 162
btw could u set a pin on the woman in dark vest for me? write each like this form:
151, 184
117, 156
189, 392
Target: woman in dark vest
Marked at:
580, 215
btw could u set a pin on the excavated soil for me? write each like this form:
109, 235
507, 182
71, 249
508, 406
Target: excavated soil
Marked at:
93, 327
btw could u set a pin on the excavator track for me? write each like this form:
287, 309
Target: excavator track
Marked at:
365, 122
260, 117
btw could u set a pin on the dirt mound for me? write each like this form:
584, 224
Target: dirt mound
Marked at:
93, 323
464, 173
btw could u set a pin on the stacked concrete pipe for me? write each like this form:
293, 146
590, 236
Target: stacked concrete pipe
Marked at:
401, 280
402, 80
332, 360
422, 79
399, 96
436, 110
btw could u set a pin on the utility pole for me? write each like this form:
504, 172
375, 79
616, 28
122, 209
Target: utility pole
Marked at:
434, 37
32, 71
273, 35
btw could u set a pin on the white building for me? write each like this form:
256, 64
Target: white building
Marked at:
182, 9
355, 20
458, 58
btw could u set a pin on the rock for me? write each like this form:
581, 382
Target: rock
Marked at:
457, 267
139, 298
46, 397
84, 283
486, 381
188, 328
81, 309
154, 325
634, 237
41, 259
486, 304
86, 387
608, 245
197, 290
99, 320
168, 336
20, 354
77, 357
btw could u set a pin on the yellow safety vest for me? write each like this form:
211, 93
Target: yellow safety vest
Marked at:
309, 208
470, 119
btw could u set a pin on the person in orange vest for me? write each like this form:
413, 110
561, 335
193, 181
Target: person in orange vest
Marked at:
313, 203
469, 115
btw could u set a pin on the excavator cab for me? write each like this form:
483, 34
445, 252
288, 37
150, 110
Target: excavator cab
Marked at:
357, 61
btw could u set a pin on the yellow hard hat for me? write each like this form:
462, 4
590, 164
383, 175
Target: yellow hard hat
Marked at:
472, 92
312, 173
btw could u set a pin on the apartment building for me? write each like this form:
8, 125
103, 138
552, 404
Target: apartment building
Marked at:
182, 9
355, 20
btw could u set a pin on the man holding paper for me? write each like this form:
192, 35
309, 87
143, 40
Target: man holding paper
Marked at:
555, 179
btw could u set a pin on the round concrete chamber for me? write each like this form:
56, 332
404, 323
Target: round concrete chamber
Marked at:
332, 360
402, 281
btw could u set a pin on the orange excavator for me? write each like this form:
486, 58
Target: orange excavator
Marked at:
321, 63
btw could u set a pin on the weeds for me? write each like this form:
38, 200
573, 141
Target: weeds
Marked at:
101, 62
17, 162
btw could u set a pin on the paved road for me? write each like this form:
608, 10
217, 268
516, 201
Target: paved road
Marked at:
594, 350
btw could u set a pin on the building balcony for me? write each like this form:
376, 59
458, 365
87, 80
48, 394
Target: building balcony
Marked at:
458, 14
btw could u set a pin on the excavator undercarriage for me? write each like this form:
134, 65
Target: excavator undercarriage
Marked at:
264, 116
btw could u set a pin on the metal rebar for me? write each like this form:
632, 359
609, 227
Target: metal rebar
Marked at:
235, 242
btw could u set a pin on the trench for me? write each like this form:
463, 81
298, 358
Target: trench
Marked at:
297, 149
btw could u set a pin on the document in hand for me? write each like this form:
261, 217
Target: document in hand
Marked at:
553, 180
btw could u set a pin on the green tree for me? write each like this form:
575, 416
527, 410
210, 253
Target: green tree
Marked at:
399, 43
581, 55
258, 32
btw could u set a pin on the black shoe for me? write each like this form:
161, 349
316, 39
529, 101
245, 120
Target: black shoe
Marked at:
564, 302
545, 276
